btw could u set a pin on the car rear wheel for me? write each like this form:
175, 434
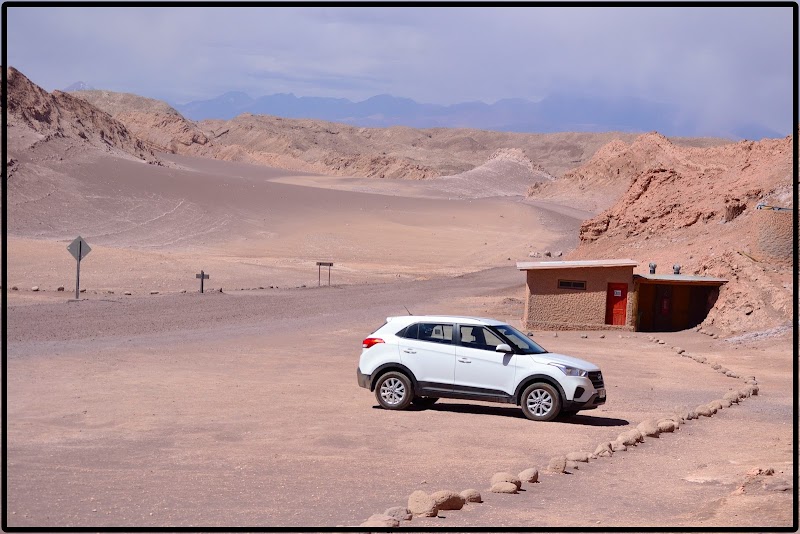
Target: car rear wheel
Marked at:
394, 391
424, 402
540, 402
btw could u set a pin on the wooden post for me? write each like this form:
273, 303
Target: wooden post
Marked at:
320, 265
202, 276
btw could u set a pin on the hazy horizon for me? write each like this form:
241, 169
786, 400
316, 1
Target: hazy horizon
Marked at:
720, 66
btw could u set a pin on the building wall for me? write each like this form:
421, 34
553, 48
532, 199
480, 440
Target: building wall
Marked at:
549, 308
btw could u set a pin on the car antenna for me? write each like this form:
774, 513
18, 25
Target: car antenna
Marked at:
404, 306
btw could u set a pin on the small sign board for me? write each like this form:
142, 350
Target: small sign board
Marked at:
617, 292
320, 265
79, 248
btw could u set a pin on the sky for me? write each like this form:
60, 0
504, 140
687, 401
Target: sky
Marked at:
719, 65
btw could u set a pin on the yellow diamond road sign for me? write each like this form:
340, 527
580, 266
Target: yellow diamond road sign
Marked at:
79, 248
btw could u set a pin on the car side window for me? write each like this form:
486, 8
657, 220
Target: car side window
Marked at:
410, 332
478, 337
436, 333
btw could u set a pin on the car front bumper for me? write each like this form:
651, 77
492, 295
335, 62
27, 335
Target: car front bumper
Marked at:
593, 402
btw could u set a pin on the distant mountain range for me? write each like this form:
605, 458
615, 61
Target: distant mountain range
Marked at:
555, 113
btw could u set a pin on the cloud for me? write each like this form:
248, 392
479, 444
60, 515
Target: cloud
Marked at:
723, 65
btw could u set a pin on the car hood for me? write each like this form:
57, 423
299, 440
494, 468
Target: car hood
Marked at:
554, 357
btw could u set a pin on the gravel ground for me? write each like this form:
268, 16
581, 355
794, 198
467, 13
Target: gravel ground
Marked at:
243, 409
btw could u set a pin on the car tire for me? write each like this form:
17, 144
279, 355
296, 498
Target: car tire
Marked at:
394, 391
540, 402
424, 402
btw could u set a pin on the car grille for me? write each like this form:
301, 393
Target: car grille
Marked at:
597, 379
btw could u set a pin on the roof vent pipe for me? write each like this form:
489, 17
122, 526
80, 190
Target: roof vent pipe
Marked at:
652, 268
676, 269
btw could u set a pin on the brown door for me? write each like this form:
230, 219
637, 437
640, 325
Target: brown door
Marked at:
616, 304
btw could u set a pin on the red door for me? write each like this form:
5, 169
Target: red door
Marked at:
616, 304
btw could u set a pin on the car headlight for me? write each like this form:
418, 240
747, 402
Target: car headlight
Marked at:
570, 371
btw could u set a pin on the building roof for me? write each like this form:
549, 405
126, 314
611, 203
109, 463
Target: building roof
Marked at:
682, 278
532, 265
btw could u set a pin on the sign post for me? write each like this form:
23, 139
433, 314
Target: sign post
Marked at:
202, 276
79, 250
320, 265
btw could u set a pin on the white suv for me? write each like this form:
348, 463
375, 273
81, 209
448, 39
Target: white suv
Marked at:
419, 359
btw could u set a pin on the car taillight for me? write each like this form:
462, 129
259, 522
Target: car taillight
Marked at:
367, 343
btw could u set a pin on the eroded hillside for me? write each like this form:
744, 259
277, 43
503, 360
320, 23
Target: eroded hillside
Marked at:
36, 117
156, 123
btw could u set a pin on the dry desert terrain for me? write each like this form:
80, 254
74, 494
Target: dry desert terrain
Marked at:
239, 407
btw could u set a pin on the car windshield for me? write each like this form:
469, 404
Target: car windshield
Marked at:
520, 340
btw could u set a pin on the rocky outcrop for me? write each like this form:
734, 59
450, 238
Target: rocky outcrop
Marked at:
157, 124
62, 116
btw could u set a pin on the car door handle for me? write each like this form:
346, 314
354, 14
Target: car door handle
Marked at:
409, 351
465, 360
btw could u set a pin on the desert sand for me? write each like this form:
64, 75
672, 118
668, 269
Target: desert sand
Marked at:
170, 408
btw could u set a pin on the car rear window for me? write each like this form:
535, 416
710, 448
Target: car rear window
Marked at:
433, 332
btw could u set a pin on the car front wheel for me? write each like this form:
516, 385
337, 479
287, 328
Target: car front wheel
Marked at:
394, 391
540, 402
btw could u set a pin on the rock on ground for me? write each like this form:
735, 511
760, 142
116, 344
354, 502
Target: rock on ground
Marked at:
504, 487
401, 513
649, 428
504, 476
667, 425
732, 396
677, 419
577, 457
529, 475
448, 500
753, 390
422, 504
716, 404
704, 410
617, 446
471, 495
631, 437
603, 449
557, 464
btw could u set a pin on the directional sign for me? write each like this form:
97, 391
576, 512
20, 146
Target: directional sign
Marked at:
202, 276
79, 248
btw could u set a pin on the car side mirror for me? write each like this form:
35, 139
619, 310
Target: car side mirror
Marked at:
503, 348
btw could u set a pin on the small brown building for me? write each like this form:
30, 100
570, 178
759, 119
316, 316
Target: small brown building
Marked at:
605, 294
